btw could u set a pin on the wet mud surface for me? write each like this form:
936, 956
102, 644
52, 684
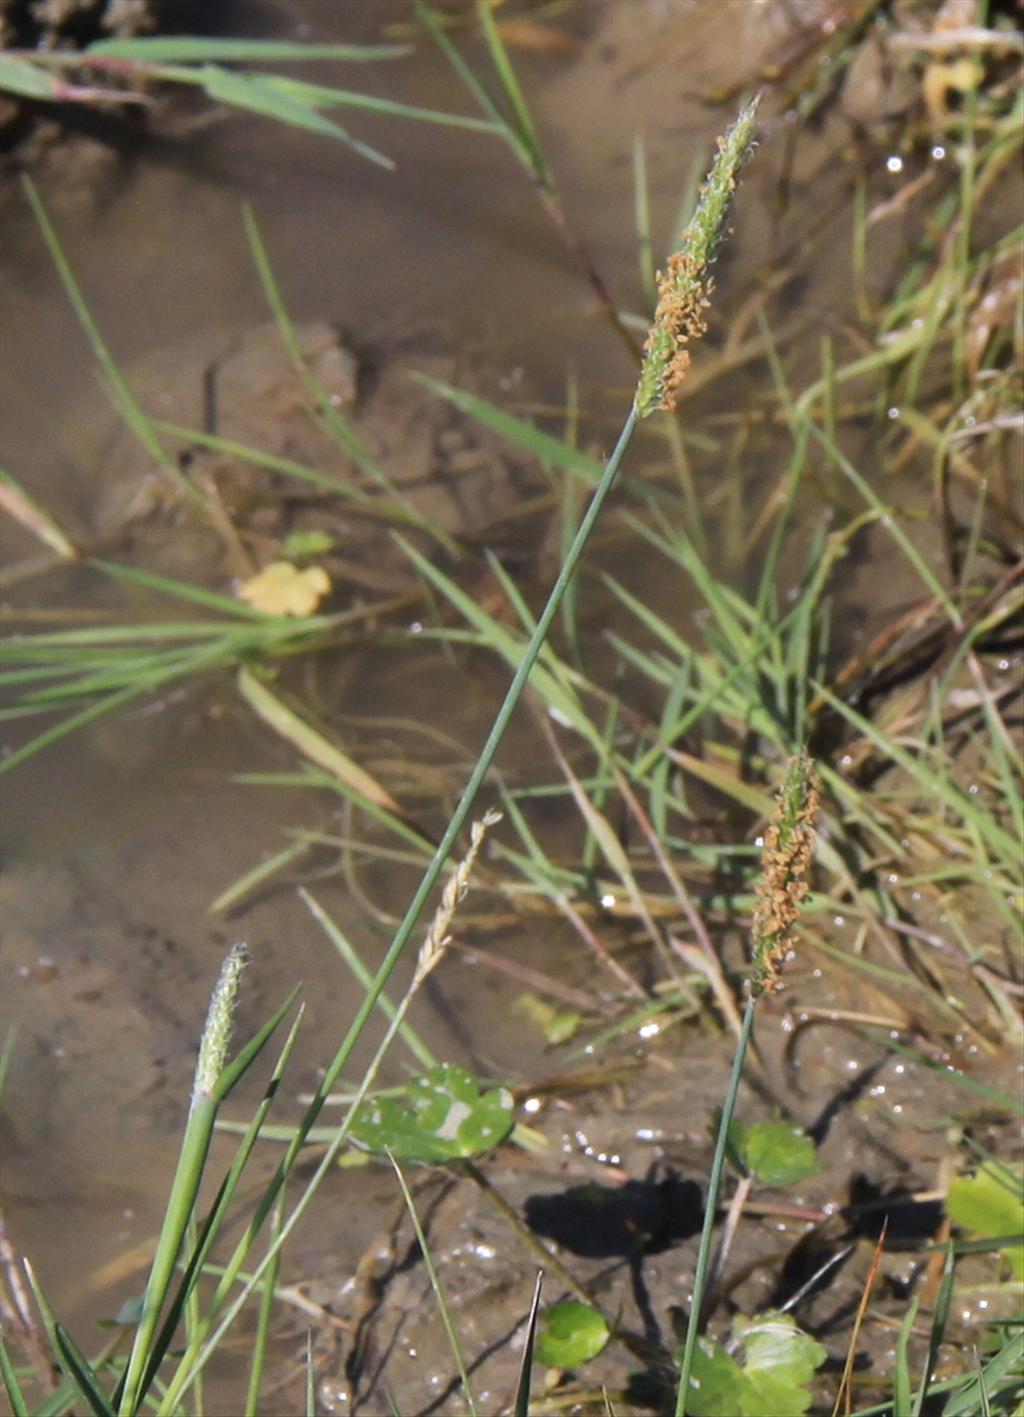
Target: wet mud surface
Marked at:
117, 841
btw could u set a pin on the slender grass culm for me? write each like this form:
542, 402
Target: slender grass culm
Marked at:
785, 862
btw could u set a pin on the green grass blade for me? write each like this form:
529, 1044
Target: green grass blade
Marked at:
16, 502
19, 1407
255, 1129
311, 744
522, 1399
244, 884
944, 791
77, 1366
940, 1316
257, 94
191, 49
642, 219
328, 417
528, 145
209, 1087
323, 96
69, 725
250, 1051
710, 1209
510, 647
1004, 1367
406, 1032
259, 458
19, 75
430, 22
884, 515
551, 451
260, 1341
435, 1284
80, 1376
184, 590
901, 1368
139, 423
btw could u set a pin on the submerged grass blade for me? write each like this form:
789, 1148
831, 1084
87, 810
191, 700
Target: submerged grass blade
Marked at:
138, 421
311, 744
406, 1032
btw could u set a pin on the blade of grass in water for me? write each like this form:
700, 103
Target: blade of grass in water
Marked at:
435, 1284
198, 49
406, 1032
310, 743
326, 414
139, 423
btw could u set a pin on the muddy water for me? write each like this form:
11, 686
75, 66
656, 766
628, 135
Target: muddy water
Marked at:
117, 840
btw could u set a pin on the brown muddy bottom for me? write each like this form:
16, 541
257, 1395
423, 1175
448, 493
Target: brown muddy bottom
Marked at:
117, 840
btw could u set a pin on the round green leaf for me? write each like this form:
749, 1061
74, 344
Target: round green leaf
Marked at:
773, 1153
573, 1334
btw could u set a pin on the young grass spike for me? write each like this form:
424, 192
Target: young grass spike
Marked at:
213, 1049
684, 289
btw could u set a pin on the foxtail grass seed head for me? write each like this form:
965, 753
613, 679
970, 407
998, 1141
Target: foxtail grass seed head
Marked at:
213, 1047
785, 865
684, 288
436, 941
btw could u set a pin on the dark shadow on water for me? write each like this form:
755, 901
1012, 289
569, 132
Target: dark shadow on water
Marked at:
607, 1222
907, 1221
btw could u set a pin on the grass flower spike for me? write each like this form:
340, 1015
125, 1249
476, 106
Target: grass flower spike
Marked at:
786, 861
213, 1050
684, 288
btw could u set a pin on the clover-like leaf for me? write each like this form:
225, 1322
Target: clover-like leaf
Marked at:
774, 1153
991, 1204
573, 1334
779, 1361
444, 1117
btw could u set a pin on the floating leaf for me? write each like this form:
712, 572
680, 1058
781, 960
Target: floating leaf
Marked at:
444, 1117
573, 1334
773, 1153
558, 1026
992, 1205
282, 589
779, 1361
301, 545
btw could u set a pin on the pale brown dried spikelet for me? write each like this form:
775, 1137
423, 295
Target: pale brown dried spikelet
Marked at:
435, 943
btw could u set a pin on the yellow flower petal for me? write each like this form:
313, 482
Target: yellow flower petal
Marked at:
282, 589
